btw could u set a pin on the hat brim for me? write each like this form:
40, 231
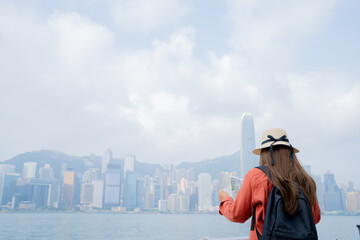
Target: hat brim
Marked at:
257, 151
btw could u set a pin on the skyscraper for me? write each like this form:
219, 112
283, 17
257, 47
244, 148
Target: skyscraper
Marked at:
90, 175
40, 192
46, 172
130, 190
98, 193
204, 191
87, 193
8, 186
5, 168
29, 170
113, 178
333, 196
248, 159
106, 160
129, 163
68, 188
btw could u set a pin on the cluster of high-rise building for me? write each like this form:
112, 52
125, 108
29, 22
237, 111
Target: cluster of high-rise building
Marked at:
118, 186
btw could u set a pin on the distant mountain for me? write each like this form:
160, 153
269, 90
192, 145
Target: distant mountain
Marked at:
81, 164
55, 159
214, 166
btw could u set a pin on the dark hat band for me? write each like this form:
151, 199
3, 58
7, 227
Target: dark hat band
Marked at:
274, 140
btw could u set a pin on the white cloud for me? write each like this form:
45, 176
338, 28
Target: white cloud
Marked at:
80, 43
69, 79
272, 25
145, 16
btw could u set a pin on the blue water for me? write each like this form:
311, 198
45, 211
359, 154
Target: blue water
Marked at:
31, 226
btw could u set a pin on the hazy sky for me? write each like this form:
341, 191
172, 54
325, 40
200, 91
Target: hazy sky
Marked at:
168, 81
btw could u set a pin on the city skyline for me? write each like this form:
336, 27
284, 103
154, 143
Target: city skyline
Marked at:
122, 188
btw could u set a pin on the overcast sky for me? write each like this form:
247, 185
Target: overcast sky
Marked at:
168, 81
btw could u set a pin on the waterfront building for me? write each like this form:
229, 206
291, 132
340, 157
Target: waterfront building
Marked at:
180, 174
190, 174
55, 193
8, 187
172, 202
68, 188
333, 196
204, 190
319, 190
193, 201
178, 203
353, 201
87, 193
129, 163
183, 184
156, 188
46, 172
98, 191
40, 192
29, 170
107, 159
248, 159
63, 169
140, 193
130, 190
215, 186
163, 205
149, 200
112, 191
5, 168
190, 188
182, 203
90, 175
329, 182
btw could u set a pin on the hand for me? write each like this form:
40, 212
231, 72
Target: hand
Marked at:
222, 195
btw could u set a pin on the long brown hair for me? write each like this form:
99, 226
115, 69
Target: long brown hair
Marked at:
288, 175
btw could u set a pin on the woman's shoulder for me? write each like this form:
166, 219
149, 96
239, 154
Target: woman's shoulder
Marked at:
256, 176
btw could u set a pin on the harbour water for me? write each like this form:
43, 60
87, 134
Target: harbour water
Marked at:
81, 226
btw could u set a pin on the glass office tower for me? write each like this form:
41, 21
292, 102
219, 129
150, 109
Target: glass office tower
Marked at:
248, 159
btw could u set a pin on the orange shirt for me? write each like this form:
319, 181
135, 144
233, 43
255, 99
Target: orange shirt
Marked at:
254, 191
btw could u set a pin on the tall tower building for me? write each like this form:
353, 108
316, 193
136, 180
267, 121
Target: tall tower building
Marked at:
87, 193
46, 172
5, 168
90, 175
112, 190
333, 195
107, 158
130, 190
204, 191
98, 193
29, 170
129, 163
8, 186
68, 189
248, 159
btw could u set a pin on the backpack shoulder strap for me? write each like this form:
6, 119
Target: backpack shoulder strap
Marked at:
265, 169
253, 227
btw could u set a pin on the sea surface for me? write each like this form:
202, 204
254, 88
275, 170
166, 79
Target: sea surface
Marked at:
81, 226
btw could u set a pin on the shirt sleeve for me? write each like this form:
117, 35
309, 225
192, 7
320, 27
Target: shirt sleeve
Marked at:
316, 212
239, 210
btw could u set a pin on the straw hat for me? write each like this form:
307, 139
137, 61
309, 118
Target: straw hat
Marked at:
274, 136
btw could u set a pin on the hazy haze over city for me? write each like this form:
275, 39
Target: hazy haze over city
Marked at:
168, 81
